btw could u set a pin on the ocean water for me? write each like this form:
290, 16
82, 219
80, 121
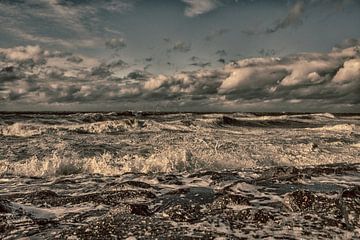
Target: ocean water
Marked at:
137, 175
112, 143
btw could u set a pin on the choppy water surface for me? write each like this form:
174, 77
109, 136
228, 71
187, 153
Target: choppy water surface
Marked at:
225, 176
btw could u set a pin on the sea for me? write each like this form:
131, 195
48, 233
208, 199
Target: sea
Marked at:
179, 175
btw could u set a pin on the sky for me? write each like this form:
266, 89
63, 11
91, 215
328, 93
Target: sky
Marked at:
180, 55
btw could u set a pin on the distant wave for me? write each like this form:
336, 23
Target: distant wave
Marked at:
337, 128
314, 116
100, 123
111, 126
259, 123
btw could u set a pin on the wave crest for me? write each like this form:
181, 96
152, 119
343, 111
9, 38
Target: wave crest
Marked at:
21, 130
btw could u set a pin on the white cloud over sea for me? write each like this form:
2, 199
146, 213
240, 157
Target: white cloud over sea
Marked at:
33, 75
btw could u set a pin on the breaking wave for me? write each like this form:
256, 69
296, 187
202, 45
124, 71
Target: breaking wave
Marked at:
110, 144
166, 161
21, 130
102, 127
113, 126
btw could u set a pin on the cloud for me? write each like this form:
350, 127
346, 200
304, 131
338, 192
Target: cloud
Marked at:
201, 64
198, 7
292, 19
350, 42
331, 80
23, 53
180, 46
9, 73
331, 77
216, 33
194, 84
221, 53
74, 59
267, 52
115, 44
116, 6
63, 21
349, 72
118, 64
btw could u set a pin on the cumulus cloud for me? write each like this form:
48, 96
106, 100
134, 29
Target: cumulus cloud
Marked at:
349, 72
293, 18
23, 53
198, 7
195, 84
328, 78
332, 77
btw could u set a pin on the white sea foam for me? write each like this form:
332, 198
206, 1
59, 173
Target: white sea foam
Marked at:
107, 126
111, 126
21, 130
173, 143
346, 128
105, 164
357, 145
